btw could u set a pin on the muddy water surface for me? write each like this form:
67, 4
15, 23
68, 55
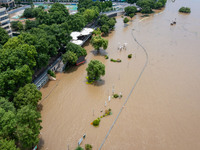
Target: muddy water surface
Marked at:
163, 110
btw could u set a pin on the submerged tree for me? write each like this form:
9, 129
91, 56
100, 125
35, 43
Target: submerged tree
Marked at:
70, 58
98, 42
126, 20
95, 69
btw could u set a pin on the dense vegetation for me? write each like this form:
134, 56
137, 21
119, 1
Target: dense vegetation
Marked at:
88, 4
41, 39
185, 10
147, 5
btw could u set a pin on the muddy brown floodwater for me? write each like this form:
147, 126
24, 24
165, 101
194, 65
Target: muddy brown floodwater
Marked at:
162, 113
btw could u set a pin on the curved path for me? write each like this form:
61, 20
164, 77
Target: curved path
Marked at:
145, 65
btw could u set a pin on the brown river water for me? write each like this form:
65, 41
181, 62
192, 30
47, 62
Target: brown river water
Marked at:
162, 112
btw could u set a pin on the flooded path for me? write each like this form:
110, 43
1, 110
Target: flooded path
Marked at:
163, 110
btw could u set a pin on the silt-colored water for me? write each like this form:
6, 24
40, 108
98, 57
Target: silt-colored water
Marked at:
163, 111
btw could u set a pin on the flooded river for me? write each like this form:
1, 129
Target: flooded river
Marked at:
163, 111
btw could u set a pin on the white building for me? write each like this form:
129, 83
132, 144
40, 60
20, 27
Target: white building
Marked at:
9, 3
5, 21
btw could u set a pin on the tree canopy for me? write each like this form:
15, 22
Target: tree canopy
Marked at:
70, 58
29, 94
3, 36
95, 70
98, 42
28, 120
130, 10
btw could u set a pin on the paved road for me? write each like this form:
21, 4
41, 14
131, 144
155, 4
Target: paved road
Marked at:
18, 9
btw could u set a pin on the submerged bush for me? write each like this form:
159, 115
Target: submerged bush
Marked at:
106, 57
185, 10
113, 60
88, 147
115, 95
79, 148
130, 56
96, 122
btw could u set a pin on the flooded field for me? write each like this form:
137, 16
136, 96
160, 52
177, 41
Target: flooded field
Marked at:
163, 111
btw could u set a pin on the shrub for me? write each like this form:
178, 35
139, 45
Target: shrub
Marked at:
126, 20
106, 56
109, 109
185, 10
88, 147
96, 122
130, 56
103, 115
79, 148
51, 73
113, 60
115, 95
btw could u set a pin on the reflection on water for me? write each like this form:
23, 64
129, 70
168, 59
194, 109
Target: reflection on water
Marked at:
163, 110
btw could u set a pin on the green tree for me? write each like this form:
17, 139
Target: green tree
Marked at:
13, 58
97, 32
30, 24
28, 13
185, 10
158, 5
57, 17
90, 15
78, 50
59, 7
7, 144
6, 105
95, 70
3, 36
84, 4
29, 94
11, 80
20, 26
105, 29
131, 15
146, 9
7, 123
76, 22
14, 25
70, 57
79, 148
28, 126
126, 20
98, 42
130, 10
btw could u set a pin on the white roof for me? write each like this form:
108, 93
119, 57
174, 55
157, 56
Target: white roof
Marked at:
75, 35
86, 31
77, 42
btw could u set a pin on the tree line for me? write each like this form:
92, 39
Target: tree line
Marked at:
148, 5
40, 39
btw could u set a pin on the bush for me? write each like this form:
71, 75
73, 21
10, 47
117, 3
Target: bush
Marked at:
51, 73
115, 95
109, 109
185, 10
130, 56
113, 60
79, 148
126, 20
88, 147
106, 56
96, 122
